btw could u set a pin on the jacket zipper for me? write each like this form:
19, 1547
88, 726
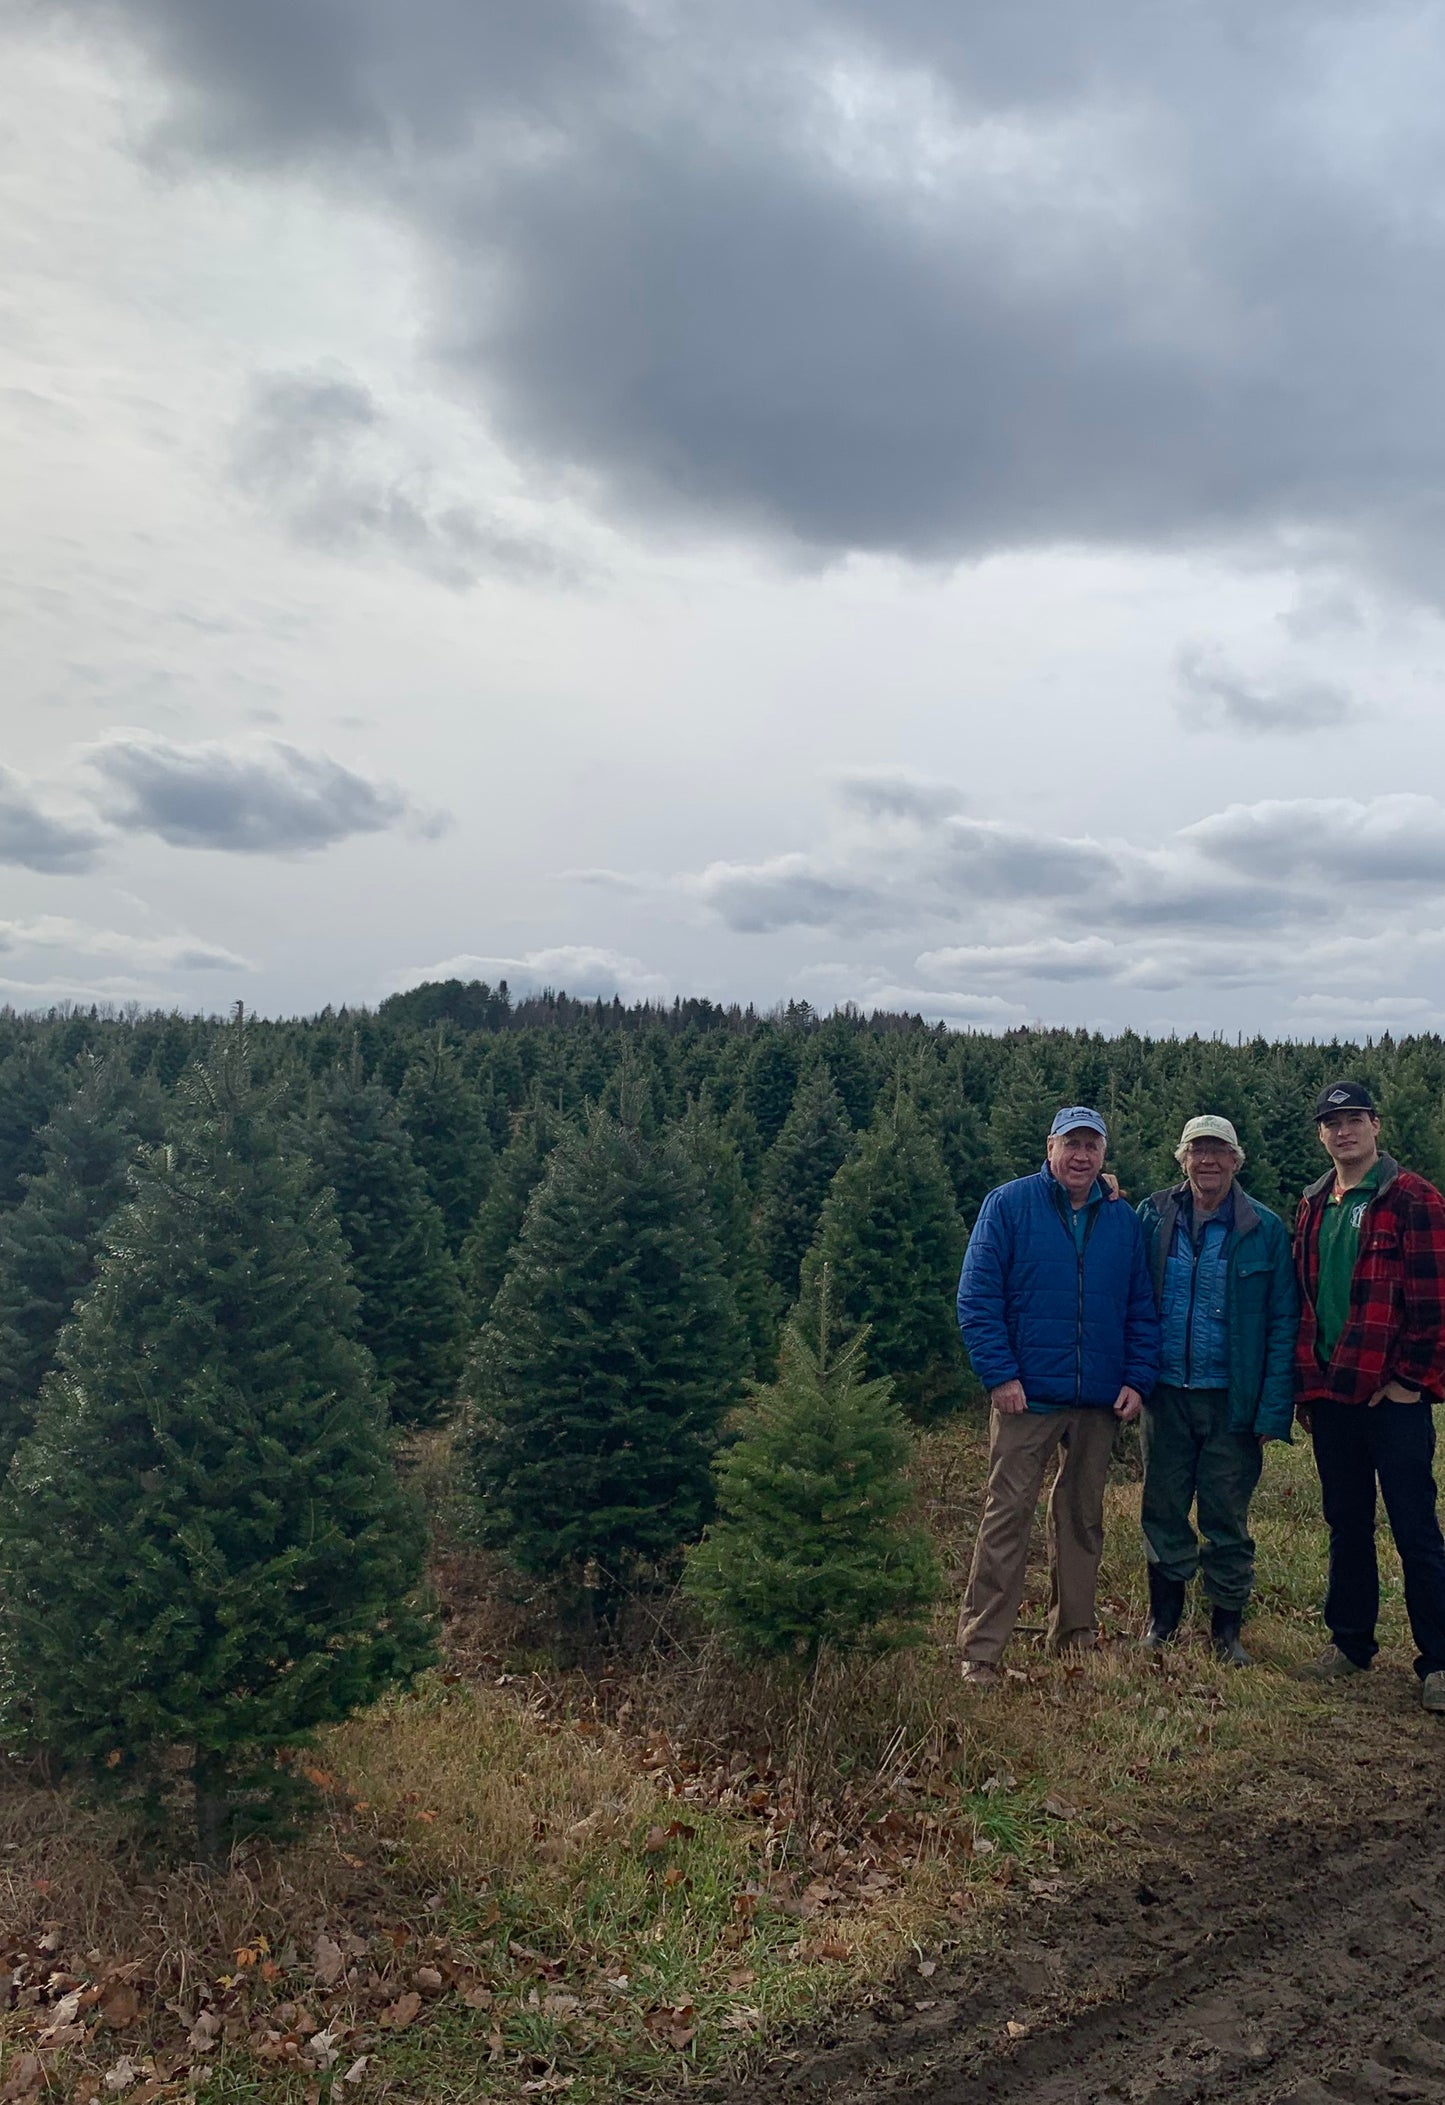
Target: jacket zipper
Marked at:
1189, 1318
1079, 1313
1064, 1210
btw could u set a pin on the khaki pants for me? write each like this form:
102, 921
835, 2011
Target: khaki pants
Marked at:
1020, 1447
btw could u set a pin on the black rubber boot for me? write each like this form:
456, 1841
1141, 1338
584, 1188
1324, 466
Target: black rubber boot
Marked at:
1224, 1637
1166, 1606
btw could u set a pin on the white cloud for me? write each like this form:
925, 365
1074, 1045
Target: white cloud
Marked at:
580, 969
1216, 697
169, 953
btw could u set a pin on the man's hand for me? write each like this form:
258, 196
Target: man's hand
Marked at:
1268, 1439
1394, 1392
1127, 1405
1009, 1398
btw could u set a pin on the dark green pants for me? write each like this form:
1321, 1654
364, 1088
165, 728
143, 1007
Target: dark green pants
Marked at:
1191, 1456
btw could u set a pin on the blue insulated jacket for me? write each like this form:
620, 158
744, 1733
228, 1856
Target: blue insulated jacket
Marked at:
1194, 1303
1261, 1307
1073, 1325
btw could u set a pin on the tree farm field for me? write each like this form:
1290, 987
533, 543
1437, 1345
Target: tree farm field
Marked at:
649, 1871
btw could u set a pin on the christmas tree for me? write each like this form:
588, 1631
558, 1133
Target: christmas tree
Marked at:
718, 1162
204, 1549
810, 1547
49, 1243
33, 1081
411, 1306
1411, 1125
613, 1351
771, 1078
893, 1243
446, 1122
489, 1247
801, 1165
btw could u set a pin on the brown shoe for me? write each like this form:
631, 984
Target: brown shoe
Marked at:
1332, 1665
979, 1674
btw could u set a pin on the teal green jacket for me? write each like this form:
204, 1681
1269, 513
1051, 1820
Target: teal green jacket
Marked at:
1262, 1316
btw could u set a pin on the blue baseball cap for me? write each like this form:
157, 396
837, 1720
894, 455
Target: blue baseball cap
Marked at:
1072, 1117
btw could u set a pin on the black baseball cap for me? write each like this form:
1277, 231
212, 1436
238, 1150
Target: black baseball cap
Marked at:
1343, 1096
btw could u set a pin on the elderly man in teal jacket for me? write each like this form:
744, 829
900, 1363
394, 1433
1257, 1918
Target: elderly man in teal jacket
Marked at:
1228, 1311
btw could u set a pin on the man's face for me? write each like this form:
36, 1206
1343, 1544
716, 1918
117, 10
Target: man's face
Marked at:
1350, 1137
1209, 1166
1076, 1159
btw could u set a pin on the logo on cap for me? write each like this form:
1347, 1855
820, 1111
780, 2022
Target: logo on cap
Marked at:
1339, 1096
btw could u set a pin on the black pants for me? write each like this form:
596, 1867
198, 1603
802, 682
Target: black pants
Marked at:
1396, 1443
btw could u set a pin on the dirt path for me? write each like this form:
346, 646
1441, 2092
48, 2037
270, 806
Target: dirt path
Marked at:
1255, 1961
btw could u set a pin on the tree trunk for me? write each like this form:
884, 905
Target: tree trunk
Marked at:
213, 1809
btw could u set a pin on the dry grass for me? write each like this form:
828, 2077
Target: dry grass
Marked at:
732, 1850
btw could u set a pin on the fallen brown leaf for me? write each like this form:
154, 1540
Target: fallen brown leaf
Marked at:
23, 2077
402, 2012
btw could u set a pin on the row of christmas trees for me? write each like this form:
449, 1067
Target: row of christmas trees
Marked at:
206, 1551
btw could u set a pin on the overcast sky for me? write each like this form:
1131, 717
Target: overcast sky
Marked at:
919, 502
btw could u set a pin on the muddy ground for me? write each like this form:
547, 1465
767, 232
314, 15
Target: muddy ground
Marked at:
1288, 1944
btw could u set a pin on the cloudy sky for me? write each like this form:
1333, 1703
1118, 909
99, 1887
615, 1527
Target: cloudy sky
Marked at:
917, 502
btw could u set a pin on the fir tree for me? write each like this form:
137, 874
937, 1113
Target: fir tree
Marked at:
1022, 1113
411, 1306
489, 1247
1410, 1120
893, 1243
841, 1046
771, 1078
1289, 1156
446, 1123
613, 1351
49, 1243
1138, 1154
810, 1547
204, 1549
718, 1163
32, 1083
964, 1141
801, 1165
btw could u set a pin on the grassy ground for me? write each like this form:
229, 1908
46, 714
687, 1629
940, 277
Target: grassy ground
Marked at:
609, 1883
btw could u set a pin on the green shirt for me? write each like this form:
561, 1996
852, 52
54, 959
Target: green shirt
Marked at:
1339, 1246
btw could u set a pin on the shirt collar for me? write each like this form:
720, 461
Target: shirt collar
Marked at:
1223, 1213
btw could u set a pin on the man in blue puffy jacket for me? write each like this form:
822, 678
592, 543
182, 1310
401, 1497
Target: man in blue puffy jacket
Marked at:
1057, 1311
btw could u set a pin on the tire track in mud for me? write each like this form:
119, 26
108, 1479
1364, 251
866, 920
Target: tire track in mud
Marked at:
1296, 1965
1326, 1995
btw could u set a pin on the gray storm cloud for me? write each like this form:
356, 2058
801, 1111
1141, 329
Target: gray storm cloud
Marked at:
260, 798
34, 839
892, 275
1236, 897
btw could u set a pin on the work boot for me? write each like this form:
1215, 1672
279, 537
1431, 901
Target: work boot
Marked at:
1432, 1690
1224, 1636
977, 1673
1166, 1606
1332, 1665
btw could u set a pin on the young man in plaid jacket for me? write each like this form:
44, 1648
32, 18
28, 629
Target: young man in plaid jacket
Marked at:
1370, 1258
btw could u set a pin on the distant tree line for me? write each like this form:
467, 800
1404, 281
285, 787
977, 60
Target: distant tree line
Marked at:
653, 1263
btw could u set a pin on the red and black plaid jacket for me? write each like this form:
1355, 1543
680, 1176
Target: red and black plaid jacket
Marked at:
1395, 1330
